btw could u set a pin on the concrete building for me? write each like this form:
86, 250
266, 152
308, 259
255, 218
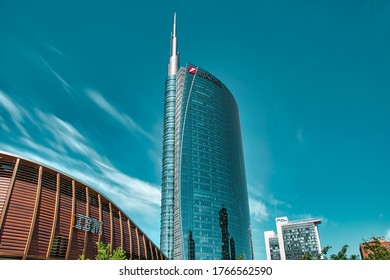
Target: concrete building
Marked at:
272, 245
293, 239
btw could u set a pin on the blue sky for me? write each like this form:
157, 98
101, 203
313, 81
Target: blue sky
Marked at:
82, 85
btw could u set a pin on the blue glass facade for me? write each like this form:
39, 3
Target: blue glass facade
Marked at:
168, 164
209, 171
204, 199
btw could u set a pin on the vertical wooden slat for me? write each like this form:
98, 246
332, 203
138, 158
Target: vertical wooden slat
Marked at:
130, 238
34, 216
71, 219
111, 228
11, 186
100, 214
138, 242
151, 249
87, 214
53, 230
145, 248
155, 252
121, 228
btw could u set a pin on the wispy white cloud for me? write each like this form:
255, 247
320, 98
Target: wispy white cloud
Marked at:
32, 150
388, 234
63, 82
66, 136
257, 189
258, 210
136, 189
264, 205
122, 118
130, 194
277, 203
55, 50
60, 145
4, 126
257, 207
16, 112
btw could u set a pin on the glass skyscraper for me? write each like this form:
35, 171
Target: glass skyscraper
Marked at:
204, 206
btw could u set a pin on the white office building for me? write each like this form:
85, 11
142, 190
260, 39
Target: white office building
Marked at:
293, 239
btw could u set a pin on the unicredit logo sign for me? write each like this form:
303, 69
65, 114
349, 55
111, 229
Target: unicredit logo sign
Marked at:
192, 70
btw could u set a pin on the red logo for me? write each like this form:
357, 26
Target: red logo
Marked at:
192, 70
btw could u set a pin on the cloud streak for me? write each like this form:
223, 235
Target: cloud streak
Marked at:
258, 210
122, 118
3, 125
17, 113
8, 105
60, 145
63, 82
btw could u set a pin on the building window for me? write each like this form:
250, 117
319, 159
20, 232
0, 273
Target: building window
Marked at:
59, 246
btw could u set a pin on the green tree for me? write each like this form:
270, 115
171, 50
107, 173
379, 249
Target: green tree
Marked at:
341, 255
376, 250
320, 256
103, 253
82, 258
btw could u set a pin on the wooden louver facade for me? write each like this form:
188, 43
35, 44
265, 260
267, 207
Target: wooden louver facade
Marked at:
45, 214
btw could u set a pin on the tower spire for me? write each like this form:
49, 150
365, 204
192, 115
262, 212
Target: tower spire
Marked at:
174, 25
173, 66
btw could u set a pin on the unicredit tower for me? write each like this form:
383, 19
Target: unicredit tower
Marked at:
204, 202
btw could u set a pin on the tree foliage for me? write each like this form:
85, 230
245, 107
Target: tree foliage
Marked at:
376, 250
341, 255
104, 253
320, 256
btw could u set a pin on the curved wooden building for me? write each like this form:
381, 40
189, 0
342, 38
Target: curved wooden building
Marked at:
45, 214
